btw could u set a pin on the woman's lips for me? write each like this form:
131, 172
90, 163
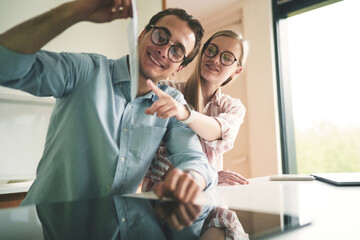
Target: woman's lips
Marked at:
212, 67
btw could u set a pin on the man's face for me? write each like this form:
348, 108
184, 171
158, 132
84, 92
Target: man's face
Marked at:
154, 61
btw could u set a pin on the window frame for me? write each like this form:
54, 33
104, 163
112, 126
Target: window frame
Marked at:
282, 9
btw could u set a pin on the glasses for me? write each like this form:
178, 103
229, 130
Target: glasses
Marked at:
226, 58
160, 37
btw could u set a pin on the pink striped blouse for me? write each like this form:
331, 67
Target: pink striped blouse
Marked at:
229, 112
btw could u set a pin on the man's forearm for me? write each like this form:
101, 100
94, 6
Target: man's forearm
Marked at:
30, 36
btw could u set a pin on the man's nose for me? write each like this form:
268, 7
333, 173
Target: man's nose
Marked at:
162, 51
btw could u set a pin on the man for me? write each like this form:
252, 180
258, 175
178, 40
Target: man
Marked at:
99, 141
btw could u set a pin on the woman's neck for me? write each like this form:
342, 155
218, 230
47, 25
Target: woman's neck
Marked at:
208, 91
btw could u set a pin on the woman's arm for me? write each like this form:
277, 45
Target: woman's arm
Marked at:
206, 127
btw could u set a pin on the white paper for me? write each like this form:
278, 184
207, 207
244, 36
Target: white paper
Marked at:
134, 57
210, 198
147, 195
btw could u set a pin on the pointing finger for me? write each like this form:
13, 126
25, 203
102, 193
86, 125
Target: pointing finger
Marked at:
154, 88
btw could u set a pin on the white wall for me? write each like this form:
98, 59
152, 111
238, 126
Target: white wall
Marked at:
264, 144
23, 118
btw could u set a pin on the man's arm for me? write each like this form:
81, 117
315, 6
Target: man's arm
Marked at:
193, 172
30, 36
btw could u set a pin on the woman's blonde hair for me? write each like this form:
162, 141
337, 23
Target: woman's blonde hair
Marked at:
192, 92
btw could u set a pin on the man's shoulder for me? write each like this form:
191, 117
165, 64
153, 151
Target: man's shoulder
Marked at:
173, 92
175, 84
74, 57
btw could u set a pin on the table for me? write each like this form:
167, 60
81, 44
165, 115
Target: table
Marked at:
333, 211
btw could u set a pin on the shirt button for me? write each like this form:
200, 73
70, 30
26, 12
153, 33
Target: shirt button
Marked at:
108, 186
123, 220
130, 106
120, 85
122, 159
125, 129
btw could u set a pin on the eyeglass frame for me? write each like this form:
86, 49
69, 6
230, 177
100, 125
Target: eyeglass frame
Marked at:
219, 50
167, 42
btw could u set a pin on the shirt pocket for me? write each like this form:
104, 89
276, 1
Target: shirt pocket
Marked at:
150, 138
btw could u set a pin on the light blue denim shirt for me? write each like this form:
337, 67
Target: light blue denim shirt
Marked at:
98, 141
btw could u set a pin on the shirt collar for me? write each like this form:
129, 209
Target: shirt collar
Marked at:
152, 96
121, 75
121, 71
216, 97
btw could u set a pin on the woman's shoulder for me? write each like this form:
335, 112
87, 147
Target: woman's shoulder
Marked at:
231, 101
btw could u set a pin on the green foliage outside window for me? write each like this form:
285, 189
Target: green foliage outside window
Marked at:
327, 148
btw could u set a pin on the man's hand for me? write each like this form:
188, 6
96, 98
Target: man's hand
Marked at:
178, 215
166, 106
181, 185
228, 177
100, 11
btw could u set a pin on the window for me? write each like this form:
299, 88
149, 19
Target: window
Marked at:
318, 51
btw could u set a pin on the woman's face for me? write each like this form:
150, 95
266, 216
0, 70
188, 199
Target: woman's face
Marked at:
212, 70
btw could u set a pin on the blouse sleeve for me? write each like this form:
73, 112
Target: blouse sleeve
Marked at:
230, 120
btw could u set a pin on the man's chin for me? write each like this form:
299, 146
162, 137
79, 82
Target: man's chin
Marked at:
150, 75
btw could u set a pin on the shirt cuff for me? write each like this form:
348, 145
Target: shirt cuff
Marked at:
210, 176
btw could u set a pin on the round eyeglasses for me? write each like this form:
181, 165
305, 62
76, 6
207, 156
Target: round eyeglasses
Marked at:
226, 58
160, 37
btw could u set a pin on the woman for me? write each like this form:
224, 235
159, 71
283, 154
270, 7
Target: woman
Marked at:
222, 59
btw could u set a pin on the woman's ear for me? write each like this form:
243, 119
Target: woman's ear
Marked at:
180, 68
237, 72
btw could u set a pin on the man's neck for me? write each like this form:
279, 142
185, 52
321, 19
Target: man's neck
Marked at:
142, 86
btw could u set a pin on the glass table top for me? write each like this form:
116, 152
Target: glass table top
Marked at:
119, 217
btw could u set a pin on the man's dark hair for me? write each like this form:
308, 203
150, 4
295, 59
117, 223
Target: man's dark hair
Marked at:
193, 24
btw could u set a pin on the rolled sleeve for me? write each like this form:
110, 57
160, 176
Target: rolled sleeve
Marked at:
14, 65
184, 151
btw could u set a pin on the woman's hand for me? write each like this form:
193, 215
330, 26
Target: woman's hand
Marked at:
228, 177
166, 106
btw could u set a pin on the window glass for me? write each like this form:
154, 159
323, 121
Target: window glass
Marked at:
324, 70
